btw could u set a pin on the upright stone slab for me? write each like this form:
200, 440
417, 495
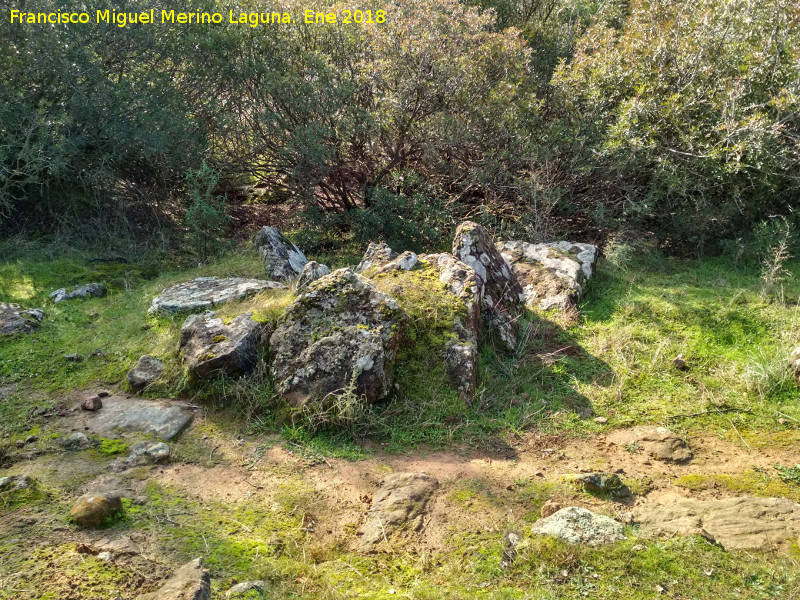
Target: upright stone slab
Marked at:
502, 294
311, 272
282, 259
552, 275
377, 255
461, 353
341, 329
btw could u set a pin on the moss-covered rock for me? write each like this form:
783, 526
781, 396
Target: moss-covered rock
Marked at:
340, 334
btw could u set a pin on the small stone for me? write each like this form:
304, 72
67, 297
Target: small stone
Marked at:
31, 439
190, 582
244, 587
106, 556
72, 358
90, 510
600, 482
103, 393
76, 441
15, 319
92, 403
16, 482
601, 420
679, 362
20, 443
550, 507
98, 290
578, 525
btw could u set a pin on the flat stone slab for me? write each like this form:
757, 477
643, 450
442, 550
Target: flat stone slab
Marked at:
204, 293
164, 419
657, 442
16, 319
742, 523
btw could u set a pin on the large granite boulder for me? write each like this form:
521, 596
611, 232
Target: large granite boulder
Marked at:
97, 290
340, 330
15, 319
461, 352
578, 525
190, 582
735, 523
146, 370
204, 293
502, 293
282, 259
552, 275
211, 346
402, 502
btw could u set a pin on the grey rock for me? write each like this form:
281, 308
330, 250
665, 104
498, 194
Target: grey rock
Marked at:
244, 587
76, 441
403, 262
402, 502
97, 290
190, 582
16, 482
145, 372
204, 293
73, 357
164, 420
146, 453
552, 275
15, 319
209, 346
600, 482
92, 402
502, 294
282, 259
735, 523
578, 525
312, 271
377, 255
340, 330
461, 353
658, 442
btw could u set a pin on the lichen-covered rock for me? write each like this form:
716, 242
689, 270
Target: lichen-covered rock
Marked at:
735, 523
98, 290
76, 441
578, 525
146, 370
552, 275
211, 346
341, 329
282, 259
461, 353
402, 501
657, 442
502, 294
190, 582
204, 293
145, 453
15, 319
794, 364
377, 255
311, 272
90, 510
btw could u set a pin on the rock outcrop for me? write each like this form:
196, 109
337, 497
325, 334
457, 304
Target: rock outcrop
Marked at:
97, 290
312, 271
210, 346
204, 293
340, 330
551, 275
578, 525
502, 294
190, 582
402, 502
282, 259
734, 523
657, 442
15, 319
146, 370
461, 353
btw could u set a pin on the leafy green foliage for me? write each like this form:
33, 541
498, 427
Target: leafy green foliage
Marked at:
206, 216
